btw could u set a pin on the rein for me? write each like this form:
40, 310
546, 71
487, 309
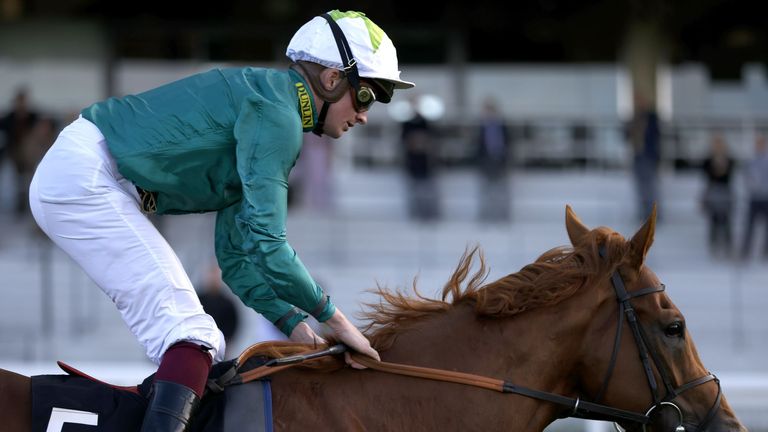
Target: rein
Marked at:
579, 408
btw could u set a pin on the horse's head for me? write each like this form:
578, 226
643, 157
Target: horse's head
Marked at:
637, 354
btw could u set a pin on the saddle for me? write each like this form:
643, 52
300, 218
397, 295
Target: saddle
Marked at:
238, 396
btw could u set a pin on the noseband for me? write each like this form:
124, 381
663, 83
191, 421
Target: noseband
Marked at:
647, 356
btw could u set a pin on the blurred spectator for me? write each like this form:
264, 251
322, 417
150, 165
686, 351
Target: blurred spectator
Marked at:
493, 163
219, 303
16, 125
418, 144
717, 199
757, 188
645, 139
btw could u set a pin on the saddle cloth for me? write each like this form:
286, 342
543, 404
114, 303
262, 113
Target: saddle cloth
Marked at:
79, 403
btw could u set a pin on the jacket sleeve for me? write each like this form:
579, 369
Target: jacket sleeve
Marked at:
256, 260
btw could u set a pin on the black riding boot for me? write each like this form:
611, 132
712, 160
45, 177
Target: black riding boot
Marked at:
170, 408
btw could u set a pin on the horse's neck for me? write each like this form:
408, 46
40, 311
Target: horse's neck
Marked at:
511, 348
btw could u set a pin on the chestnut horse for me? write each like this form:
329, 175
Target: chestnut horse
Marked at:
586, 330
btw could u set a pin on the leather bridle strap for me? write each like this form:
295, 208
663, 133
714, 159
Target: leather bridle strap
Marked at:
715, 406
624, 298
579, 407
617, 337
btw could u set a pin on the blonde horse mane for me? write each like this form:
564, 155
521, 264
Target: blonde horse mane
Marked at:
555, 276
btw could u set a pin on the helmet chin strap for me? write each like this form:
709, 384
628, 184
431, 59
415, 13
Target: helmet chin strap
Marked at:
318, 130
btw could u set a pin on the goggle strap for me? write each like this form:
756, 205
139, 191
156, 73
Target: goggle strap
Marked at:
345, 51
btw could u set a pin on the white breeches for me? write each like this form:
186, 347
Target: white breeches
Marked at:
87, 208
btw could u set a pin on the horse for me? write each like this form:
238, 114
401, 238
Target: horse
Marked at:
586, 330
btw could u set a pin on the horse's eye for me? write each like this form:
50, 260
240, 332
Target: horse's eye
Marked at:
676, 329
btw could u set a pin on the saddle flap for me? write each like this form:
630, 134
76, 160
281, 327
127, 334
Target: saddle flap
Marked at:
74, 372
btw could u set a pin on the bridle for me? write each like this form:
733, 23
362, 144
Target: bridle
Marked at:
647, 355
576, 407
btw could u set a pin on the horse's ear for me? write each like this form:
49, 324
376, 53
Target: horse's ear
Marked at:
575, 227
642, 241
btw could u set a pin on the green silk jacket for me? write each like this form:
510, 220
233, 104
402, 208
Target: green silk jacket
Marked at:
225, 140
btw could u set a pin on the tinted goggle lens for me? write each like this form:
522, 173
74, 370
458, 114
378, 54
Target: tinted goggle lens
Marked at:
363, 98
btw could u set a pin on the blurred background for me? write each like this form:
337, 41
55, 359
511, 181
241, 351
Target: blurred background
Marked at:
519, 110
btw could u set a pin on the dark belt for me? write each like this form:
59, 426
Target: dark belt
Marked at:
148, 200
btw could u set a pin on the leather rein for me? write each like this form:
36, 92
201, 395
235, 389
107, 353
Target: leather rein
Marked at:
577, 407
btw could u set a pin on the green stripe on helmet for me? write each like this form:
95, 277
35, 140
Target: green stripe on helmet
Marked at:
374, 32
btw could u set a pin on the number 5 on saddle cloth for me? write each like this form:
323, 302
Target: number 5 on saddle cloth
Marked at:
79, 403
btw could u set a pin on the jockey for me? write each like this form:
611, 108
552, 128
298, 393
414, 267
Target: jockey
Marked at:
225, 141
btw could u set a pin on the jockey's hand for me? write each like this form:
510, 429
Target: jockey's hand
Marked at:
303, 333
351, 336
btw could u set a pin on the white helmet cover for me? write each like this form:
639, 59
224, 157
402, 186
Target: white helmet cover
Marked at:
372, 49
